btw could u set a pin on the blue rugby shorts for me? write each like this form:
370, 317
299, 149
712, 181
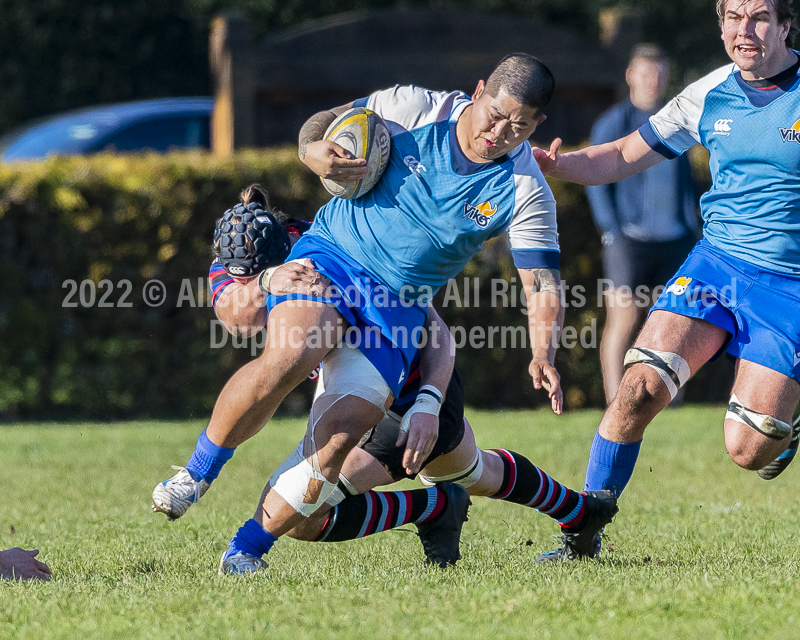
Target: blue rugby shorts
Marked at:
386, 328
759, 307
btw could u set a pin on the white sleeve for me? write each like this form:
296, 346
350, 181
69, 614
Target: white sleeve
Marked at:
409, 106
677, 123
533, 232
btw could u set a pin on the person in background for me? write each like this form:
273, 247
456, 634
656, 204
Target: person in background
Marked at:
648, 221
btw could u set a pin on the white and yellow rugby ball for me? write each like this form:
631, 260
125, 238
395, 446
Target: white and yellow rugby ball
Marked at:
364, 134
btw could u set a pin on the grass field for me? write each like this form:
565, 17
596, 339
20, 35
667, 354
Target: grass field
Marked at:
701, 549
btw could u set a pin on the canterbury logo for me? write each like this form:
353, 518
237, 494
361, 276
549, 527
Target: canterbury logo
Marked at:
796, 359
722, 127
236, 270
481, 214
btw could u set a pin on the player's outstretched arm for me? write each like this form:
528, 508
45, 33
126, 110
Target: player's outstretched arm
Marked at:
598, 164
19, 564
545, 319
328, 159
419, 428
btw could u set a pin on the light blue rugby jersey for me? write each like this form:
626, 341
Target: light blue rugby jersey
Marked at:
433, 209
752, 210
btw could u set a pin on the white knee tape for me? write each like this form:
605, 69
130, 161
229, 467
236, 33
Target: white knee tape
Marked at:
300, 484
466, 477
347, 372
764, 424
673, 369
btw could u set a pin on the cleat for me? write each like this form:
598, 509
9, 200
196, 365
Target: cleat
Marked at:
173, 497
779, 464
440, 538
239, 563
601, 507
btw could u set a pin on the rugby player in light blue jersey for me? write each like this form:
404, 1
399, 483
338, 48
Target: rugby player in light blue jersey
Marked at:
460, 172
739, 290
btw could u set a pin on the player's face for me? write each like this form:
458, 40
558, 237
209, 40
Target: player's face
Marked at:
754, 39
648, 81
497, 124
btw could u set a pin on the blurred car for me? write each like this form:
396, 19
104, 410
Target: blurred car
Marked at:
154, 125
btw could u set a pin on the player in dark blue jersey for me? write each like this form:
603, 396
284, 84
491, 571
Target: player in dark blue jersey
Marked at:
739, 290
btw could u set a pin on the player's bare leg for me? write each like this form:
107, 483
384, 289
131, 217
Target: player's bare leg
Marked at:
773, 396
642, 393
335, 435
623, 320
299, 335
251, 396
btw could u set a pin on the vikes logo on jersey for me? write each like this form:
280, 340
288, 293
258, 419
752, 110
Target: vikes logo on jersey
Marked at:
481, 215
791, 135
680, 285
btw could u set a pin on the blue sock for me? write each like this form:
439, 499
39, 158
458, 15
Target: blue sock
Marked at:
208, 459
611, 464
252, 538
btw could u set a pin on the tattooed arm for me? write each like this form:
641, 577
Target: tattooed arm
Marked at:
327, 159
545, 318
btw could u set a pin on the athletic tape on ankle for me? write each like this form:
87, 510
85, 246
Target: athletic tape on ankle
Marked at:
429, 400
300, 484
672, 369
764, 424
466, 477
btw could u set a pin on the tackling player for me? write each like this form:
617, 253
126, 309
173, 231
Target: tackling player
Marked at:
381, 459
739, 290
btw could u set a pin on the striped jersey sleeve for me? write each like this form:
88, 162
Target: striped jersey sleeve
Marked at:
218, 280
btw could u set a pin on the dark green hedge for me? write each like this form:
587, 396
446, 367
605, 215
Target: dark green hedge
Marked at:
110, 220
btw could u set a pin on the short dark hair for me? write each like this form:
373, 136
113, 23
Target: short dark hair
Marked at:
783, 9
649, 51
525, 78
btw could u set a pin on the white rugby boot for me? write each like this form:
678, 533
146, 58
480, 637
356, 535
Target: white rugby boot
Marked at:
173, 497
239, 563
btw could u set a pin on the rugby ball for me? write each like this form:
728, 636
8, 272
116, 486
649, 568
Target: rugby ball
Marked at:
364, 134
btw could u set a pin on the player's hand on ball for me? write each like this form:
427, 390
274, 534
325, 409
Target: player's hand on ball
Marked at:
293, 277
548, 160
332, 161
423, 431
545, 375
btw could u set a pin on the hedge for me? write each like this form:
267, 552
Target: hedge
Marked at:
81, 237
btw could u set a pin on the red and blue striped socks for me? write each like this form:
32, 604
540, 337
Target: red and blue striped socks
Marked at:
376, 511
526, 484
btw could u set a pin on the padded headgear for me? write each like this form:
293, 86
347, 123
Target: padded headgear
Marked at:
248, 239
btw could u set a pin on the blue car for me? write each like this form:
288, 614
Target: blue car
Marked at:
147, 125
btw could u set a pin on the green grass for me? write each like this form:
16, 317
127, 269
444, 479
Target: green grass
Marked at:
701, 549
